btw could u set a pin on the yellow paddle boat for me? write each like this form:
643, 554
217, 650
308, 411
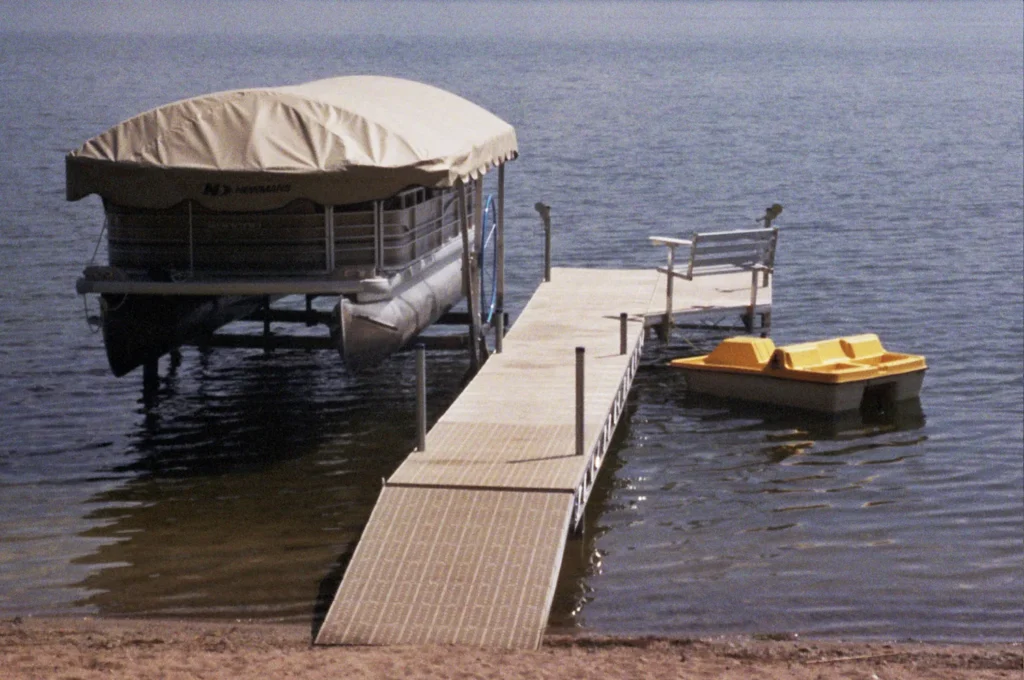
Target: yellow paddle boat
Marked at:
832, 375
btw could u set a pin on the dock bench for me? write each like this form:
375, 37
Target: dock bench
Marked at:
720, 252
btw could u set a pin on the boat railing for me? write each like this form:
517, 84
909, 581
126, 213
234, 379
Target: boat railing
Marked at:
369, 239
390, 238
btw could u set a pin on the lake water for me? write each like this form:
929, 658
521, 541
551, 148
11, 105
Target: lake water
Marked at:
892, 134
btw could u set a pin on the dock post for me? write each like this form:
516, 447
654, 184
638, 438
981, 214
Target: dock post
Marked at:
580, 358
499, 331
623, 339
421, 398
547, 249
666, 329
545, 215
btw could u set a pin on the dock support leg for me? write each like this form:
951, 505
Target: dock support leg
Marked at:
421, 398
580, 359
545, 215
499, 332
578, 532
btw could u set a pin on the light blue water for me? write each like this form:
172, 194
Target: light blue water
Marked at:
891, 132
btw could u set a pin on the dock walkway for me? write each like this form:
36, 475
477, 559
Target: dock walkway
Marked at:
466, 540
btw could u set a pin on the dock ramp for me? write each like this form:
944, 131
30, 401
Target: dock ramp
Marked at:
466, 540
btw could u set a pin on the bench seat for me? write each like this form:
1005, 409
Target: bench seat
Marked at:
721, 252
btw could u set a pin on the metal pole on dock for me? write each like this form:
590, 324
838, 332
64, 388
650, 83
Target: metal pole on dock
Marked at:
421, 398
580, 359
623, 335
545, 215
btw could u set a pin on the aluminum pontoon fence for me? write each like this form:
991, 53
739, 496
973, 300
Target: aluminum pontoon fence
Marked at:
466, 540
303, 241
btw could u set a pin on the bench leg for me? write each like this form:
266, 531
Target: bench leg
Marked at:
664, 329
666, 325
748, 319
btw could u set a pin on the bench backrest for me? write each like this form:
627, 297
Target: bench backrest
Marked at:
722, 251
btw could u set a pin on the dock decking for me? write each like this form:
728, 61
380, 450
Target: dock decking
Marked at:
466, 540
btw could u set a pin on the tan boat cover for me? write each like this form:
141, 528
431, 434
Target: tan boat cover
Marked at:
334, 141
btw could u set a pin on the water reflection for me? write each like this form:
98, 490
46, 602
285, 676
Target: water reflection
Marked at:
751, 517
249, 484
248, 479
782, 423
624, 499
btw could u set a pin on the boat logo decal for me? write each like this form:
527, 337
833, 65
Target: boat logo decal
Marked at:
218, 190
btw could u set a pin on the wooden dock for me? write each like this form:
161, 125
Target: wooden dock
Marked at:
465, 542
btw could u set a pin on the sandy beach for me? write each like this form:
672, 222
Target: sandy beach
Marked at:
88, 648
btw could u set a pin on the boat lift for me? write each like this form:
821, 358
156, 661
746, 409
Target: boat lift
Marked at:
220, 205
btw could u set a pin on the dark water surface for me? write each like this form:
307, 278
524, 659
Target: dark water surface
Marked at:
892, 134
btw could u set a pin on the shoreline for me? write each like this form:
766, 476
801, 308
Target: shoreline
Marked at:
83, 648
